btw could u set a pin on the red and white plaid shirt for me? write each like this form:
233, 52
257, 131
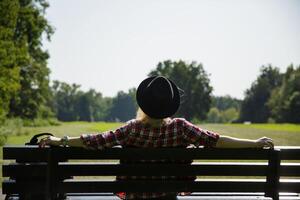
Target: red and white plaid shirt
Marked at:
177, 132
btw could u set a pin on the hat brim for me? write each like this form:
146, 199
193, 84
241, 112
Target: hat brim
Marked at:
151, 110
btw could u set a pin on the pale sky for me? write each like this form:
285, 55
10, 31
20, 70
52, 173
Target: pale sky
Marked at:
111, 45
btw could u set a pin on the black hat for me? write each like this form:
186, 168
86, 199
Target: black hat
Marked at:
158, 97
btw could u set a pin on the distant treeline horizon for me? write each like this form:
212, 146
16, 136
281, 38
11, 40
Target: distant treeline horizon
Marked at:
268, 100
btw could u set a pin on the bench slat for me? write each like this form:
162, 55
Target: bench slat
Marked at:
289, 185
289, 153
33, 153
165, 186
78, 186
212, 169
103, 169
164, 170
290, 169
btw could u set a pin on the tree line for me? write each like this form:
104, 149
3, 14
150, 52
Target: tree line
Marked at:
72, 104
273, 97
26, 92
69, 103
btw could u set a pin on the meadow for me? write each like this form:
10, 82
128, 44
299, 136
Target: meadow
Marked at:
282, 134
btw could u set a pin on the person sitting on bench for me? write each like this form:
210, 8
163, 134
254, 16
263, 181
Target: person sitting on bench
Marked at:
158, 99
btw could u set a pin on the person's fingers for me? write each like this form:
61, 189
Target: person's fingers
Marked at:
266, 138
265, 142
44, 141
271, 144
268, 143
41, 143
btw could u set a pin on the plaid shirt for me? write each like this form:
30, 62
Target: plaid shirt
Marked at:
177, 132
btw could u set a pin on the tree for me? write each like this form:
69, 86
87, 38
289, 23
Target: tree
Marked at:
285, 99
230, 115
9, 55
254, 107
192, 78
214, 116
222, 116
30, 26
91, 106
226, 102
72, 104
123, 106
65, 100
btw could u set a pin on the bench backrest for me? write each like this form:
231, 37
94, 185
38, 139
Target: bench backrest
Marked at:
290, 169
45, 170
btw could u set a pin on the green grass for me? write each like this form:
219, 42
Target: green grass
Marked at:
272, 127
67, 128
282, 134
104, 126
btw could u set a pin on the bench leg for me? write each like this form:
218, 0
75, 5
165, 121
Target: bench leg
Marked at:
275, 196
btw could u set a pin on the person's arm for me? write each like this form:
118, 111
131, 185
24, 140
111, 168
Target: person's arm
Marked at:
56, 141
198, 137
231, 142
91, 141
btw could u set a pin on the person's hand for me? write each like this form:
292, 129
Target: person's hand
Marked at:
264, 142
50, 140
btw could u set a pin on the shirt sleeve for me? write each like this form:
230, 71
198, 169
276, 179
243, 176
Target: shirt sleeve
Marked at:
107, 139
197, 136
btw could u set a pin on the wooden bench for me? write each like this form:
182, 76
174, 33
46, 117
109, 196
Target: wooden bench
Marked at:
50, 173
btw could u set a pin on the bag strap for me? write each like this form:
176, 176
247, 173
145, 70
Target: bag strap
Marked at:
34, 139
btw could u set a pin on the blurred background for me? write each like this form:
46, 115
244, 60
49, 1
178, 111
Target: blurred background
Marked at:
63, 61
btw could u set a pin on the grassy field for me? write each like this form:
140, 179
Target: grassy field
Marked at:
282, 134
67, 128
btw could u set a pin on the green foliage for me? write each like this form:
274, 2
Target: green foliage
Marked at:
10, 127
34, 74
38, 122
273, 97
124, 106
24, 81
230, 115
192, 78
226, 102
9, 55
254, 107
64, 100
214, 116
222, 116
72, 104
284, 102
15, 126
225, 109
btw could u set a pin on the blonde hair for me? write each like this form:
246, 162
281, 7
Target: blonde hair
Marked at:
145, 119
